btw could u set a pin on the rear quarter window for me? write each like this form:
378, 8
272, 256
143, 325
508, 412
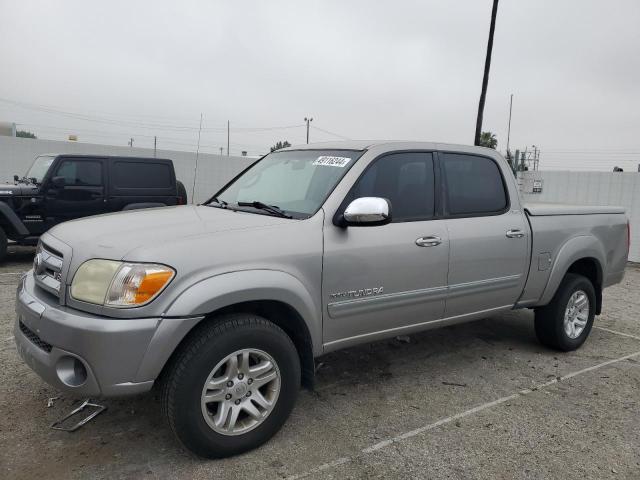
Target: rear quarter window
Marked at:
473, 185
131, 175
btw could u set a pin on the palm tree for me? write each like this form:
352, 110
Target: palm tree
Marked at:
488, 139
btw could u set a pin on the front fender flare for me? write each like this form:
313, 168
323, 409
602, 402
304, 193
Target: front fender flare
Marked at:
227, 289
13, 219
574, 249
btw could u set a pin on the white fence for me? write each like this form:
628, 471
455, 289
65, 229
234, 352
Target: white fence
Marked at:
589, 188
17, 154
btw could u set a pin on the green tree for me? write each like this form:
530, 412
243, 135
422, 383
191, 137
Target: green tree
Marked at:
280, 145
25, 134
488, 139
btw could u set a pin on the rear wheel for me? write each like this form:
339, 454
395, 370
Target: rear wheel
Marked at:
565, 323
3, 245
232, 386
182, 193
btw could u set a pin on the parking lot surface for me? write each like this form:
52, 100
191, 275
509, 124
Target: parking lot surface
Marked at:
474, 401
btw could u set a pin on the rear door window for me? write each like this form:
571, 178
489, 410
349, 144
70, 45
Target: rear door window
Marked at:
473, 185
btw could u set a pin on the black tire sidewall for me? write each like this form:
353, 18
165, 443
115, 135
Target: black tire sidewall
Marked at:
189, 423
569, 286
4, 243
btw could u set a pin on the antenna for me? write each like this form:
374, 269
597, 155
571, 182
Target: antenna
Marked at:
195, 169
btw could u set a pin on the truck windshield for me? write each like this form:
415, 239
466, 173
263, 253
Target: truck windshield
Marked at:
296, 181
39, 168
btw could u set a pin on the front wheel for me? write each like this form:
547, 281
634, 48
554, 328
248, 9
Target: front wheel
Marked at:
232, 386
3, 244
565, 323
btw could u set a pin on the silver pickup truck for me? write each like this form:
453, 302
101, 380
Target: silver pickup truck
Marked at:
225, 305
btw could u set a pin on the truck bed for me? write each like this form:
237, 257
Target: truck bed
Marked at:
547, 209
562, 233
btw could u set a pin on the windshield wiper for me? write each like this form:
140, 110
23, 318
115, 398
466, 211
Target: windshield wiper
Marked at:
273, 209
221, 203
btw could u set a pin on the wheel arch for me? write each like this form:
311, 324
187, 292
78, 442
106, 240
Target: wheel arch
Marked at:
583, 255
269, 294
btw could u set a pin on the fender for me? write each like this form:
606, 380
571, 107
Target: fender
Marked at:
576, 248
12, 218
231, 288
213, 293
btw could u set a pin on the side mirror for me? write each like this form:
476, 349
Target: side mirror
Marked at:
367, 212
16, 178
58, 182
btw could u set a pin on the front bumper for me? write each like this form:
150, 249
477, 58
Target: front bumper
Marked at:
89, 355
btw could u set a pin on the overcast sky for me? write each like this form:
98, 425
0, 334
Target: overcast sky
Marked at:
362, 69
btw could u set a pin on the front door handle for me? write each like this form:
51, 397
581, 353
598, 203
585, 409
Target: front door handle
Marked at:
430, 241
515, 233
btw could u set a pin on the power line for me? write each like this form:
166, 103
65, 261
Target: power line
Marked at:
330, 133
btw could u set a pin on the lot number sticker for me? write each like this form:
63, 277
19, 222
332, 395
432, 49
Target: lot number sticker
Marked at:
340, 162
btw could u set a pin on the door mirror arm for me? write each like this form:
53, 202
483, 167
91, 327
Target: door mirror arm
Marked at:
58, 182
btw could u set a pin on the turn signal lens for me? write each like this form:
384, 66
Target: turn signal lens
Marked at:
137, 283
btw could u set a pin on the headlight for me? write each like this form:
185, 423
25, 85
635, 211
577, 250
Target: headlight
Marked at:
119, 284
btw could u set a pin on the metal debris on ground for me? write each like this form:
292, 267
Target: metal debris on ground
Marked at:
454, 384
59, 425
51, 401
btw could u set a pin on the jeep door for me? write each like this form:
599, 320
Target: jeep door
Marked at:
81, 192
377, 280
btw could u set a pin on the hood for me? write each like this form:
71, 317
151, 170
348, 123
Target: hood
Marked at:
11, 190
114, 235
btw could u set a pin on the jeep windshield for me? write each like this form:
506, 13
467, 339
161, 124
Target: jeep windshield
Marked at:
40, 167
295, 181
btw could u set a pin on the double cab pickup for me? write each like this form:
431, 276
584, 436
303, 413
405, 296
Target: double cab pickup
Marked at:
224, 306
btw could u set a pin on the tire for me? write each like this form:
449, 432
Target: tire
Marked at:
550, 320
197, 361
182, 192
3, 245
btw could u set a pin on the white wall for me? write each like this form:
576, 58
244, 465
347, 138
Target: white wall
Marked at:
590, 188
17, 154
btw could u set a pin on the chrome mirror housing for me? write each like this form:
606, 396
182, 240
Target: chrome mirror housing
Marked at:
368, 212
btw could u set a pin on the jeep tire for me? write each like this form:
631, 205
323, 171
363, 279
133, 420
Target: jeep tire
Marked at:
3, 244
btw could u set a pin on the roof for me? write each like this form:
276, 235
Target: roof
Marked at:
391, 144
99, 155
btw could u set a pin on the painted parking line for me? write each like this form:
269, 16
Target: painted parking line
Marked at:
622, 334
412, 433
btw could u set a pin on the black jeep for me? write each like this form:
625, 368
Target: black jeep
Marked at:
63, 187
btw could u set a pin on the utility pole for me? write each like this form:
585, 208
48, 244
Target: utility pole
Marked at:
221, 149
155, 144
228, 135
308, 120
485, 78
131, 142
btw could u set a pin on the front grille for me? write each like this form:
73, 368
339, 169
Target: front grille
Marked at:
35, 339
47, 269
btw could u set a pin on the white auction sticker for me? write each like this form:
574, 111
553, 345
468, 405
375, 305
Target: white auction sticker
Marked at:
340, 162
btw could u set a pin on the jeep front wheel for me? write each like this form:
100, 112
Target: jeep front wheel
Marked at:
232, 386
3, 244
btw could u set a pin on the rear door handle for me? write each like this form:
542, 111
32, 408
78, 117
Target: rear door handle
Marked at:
515, 233
430, 241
